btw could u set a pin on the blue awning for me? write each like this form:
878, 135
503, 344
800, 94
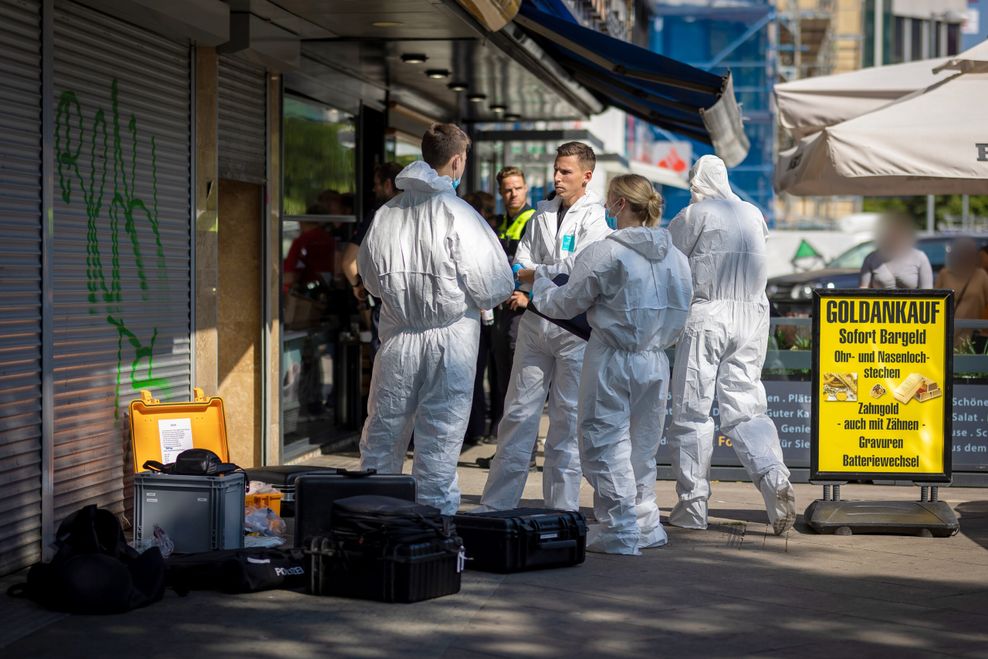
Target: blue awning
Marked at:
662, 91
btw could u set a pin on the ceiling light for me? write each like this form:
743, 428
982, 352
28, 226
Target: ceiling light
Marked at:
414, 58
386, 23
476, 98
512, 116
498, 108
458, 86
437, 74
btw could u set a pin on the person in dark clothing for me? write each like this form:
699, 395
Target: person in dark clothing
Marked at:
511, 225
384, 191
483, 203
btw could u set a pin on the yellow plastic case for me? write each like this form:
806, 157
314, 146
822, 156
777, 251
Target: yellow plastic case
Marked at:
208, 423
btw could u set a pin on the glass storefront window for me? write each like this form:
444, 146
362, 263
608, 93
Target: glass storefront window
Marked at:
320, 159
322, 354
403, 149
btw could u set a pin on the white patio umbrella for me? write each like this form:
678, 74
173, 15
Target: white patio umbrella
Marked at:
934, 141
810, 105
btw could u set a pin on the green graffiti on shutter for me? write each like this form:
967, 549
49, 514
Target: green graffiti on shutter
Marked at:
106, 153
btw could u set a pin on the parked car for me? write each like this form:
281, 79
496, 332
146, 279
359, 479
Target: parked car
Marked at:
790, 295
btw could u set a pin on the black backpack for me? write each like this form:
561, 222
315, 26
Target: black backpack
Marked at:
94, 570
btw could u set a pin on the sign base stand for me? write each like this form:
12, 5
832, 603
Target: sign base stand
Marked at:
928, 517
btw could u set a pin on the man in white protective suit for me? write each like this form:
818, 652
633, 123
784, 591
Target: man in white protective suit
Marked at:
635, 286
722, 351
435, 263
546, 354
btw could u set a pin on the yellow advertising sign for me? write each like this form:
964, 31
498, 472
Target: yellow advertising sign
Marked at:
882, 385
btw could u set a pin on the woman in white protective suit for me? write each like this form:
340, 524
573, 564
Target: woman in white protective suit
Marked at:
635, 286
722, 351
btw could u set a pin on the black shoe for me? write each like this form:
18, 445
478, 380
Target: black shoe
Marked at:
485, 463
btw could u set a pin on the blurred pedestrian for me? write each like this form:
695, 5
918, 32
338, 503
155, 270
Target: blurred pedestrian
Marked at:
896, 263
434, 264
964, 276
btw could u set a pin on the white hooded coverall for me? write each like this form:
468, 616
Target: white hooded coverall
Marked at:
434, 262
637, 288
723, 349
545, 354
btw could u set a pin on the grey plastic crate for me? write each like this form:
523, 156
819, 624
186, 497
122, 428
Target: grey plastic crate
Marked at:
199, 513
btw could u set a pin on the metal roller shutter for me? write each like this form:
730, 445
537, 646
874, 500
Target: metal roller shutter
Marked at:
242, 120
20, 284
121, 263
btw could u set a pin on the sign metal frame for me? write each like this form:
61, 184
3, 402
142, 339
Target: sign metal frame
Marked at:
819, 296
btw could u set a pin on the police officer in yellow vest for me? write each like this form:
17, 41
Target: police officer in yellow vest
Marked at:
517, 212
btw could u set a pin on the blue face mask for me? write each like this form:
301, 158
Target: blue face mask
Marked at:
612, 221
456, 183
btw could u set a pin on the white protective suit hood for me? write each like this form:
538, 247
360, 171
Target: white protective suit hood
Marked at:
421, 177
708, 180
651, 244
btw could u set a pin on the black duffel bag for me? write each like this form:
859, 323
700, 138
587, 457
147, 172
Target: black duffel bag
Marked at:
237, 570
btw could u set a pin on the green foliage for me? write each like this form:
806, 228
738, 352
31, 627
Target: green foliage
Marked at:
315, 160
915, 207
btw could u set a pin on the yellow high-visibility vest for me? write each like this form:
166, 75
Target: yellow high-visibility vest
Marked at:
517, 227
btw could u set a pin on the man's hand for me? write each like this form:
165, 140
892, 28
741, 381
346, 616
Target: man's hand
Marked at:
526, 276
518, 300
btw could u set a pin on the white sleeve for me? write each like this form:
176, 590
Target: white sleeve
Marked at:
580, 292
685, 231
366, 267
484, 272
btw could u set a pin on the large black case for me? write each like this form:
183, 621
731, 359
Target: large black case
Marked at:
315, 494
522, 539
385, 549
282, 478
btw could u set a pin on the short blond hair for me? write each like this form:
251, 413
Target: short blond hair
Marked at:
510, 170
641, 196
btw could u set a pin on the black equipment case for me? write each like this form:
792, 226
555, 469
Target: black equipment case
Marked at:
385, 549
282, 478
522, 539
315, 494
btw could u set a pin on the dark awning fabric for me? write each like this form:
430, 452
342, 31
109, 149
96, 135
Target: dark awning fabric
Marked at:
665, 92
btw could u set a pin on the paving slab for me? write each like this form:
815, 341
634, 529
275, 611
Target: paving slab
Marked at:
732, 590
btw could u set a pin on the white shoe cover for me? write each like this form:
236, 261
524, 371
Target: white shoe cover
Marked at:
604, 541
689, 515
780, 501
655, 537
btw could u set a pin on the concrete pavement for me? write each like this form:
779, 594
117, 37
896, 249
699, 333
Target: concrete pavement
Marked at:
733, 590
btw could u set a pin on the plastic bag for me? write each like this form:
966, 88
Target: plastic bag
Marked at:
161, 540
264, 521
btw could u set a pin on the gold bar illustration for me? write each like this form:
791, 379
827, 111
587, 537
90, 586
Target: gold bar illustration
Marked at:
908, 388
